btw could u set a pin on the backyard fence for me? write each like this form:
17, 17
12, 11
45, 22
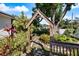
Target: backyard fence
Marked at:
65, 49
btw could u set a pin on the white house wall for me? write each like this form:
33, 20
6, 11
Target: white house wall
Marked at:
4, 21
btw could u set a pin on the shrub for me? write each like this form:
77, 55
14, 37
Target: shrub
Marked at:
64, 38
17, 44
45, 38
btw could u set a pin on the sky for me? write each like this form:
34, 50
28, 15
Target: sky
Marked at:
16, 8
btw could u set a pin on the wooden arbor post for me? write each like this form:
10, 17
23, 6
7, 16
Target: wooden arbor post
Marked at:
29, 34
28, 40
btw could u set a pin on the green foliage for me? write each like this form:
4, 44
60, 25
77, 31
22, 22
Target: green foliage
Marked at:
36, 22
46, 8
69, 31
64, 38
40, 31
65, 24
17, 53
2, 42
20, 40
20, 22
70, 26
45, 38
76, 34
49, 9
17, 44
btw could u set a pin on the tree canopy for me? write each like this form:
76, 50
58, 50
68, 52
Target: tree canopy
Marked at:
54, 11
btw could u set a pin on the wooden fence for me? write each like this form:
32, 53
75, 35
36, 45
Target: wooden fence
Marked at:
65, 49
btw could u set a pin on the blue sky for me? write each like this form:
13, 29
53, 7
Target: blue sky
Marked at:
16, 8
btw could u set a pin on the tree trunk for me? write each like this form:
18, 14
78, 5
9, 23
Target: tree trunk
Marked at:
54, 28
53, 31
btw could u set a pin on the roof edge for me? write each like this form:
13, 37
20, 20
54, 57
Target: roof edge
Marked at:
6, 14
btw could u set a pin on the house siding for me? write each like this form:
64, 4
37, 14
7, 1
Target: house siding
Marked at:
4, 21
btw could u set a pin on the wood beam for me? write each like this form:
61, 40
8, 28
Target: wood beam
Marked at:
38, 12
32, 19
44, 17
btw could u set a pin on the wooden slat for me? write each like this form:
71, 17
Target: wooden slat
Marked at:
77, 52
70, 51
56, 48
60, 49
73, 52
53, 48
63, 50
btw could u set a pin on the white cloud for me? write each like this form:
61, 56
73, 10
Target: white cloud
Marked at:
21, 8
5, 8
77, 6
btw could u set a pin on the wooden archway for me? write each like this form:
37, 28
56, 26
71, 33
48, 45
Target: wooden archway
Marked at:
42, 15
